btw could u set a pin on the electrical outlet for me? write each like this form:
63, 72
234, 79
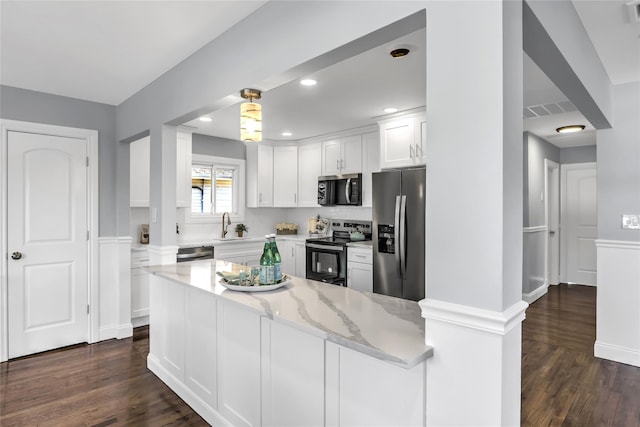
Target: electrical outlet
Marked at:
631, 222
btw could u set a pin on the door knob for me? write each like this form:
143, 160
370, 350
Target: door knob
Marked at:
16, 255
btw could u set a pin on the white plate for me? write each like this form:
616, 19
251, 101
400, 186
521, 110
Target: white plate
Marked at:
262, 288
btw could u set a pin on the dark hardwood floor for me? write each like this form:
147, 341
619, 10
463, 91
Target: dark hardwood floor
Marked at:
104, 384
563, 384
107, 384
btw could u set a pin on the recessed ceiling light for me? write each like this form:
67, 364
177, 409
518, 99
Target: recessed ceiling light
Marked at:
570, 129
286, 134
390, 110
205, 119
308, 82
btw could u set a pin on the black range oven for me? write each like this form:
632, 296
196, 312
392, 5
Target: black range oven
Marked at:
327, 256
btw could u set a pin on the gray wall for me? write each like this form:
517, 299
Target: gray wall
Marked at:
619, 165
536, 149
585, 154
220, 147
38, 107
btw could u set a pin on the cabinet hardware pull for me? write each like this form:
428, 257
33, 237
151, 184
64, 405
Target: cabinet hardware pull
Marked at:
411, 151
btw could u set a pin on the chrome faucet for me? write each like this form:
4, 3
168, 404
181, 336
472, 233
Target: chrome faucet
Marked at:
224, 227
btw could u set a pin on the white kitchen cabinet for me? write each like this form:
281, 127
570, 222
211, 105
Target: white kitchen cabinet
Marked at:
287, 249
140, 170
301, 259
259, 175
239, 252
370, 164
403, 141
292, 376
309, 169
364, 391
239, 385
360, 268
139, 287
342, 155
285, 176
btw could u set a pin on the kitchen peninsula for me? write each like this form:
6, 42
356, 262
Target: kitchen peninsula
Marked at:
306, 354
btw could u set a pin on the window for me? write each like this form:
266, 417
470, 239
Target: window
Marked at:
217, 186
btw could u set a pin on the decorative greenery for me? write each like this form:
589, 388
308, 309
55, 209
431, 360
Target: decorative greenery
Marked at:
241, 227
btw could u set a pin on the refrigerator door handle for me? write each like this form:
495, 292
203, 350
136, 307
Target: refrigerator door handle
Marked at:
347, 191
396, 235
403, 237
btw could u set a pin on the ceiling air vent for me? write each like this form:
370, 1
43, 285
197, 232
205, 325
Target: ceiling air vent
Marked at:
634, 11
534, 111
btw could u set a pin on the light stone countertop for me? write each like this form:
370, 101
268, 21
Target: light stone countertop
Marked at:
387, 328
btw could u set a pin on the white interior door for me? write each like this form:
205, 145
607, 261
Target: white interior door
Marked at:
47, 242
579, 223
552, 212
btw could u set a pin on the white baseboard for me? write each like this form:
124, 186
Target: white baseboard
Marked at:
115, 331
199, 406
535, 294
140, 321
616, 353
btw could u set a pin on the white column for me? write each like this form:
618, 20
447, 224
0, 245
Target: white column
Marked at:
162, 195
473, 306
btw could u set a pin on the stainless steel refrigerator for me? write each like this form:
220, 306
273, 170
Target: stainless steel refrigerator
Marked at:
399, 233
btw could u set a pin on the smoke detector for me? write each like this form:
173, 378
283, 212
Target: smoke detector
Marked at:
634, 11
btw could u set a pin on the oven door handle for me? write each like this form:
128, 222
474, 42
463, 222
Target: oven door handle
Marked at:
325, 247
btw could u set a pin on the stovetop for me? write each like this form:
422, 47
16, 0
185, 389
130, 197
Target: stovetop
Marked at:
341, 232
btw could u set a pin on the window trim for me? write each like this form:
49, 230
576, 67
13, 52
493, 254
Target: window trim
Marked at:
239, 164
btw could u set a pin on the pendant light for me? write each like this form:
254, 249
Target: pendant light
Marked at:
250, 116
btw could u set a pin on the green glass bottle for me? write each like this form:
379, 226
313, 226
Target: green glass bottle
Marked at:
277, 260
266, 264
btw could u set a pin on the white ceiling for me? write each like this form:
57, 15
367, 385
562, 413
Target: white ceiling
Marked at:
105, 51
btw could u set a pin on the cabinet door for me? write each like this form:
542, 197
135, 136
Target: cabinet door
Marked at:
309, 169
265, 175
285, 176
139, 170
183, 170
421, 140
139, 293
292, 376
397, 143
370, 164
287, 249
351, 154
301, 260
331, 157
360, 276
238, 364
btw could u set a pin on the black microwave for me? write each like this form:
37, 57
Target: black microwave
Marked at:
340, 190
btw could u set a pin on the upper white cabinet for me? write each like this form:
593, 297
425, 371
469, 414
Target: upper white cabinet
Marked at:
403, 141
309, 169
370, 164
285, 176
342, 155
259, 175
140, 170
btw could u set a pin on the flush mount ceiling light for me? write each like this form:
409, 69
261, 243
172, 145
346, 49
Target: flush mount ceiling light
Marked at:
250, 116
286, 134
570, 129
205, 119
399, 53
390, 110
308, 82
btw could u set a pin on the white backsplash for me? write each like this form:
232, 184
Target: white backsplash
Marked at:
260, 221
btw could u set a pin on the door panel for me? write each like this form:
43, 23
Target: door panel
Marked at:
579, 218
47, 216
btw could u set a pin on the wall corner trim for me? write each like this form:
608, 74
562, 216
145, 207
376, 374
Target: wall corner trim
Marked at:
495, 322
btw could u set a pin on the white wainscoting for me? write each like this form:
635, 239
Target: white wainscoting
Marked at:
534, 263
618, 302
115, 288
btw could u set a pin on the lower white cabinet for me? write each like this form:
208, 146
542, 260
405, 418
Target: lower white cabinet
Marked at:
360, 268
292, 376
301, 259
238, 364
139, 287
293, 254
